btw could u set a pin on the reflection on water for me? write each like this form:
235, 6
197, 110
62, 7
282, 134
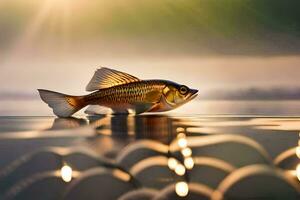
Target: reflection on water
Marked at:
66, 173
151, 157
182, 189
298, 155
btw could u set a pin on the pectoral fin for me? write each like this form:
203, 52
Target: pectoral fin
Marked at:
143, 107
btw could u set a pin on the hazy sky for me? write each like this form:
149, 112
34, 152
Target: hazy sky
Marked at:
58, 44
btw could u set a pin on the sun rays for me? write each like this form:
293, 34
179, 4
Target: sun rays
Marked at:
52, 18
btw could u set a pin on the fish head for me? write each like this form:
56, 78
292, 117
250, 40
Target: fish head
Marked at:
175, 95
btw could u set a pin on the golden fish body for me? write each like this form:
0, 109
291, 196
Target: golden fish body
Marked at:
121, 92
148, 91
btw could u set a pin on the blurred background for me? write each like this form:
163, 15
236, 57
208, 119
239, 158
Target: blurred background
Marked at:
229, 50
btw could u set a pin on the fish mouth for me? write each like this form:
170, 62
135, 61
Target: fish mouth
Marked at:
193, 94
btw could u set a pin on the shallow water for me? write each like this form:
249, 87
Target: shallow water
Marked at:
143, 151
197, 155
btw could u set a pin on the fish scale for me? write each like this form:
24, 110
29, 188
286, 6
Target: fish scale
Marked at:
127, 93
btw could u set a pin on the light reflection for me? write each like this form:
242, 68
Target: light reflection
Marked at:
181, 140
66, 173
298, 151
181, 135
122, 175
189, 163
298, 155
182, 143
172, 163
180, 166
186, 152
298, 171
179, 129
180, 169
182, 189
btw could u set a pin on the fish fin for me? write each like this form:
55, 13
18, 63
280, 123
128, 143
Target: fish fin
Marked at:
105, 78
97, 110
63, 105
155, 108
153, 97
143, 107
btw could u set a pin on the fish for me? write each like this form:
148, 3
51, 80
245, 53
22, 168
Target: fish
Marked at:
121, 92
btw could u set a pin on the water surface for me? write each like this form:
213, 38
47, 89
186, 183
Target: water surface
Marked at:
160, 156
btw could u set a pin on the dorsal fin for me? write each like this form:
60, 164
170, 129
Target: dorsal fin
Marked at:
105, 78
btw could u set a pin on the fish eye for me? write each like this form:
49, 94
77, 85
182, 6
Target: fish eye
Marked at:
183, 89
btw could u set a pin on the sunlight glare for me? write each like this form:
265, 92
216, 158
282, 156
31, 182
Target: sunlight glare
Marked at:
66, 173
179, 129
189, 163
298, 151
172, 163
180, 169
186, 152
182, 189
182, 143
298, 171
50, 10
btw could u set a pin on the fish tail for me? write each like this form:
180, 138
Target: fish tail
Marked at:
63, 105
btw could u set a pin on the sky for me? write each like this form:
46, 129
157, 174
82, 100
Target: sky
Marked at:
209, 45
